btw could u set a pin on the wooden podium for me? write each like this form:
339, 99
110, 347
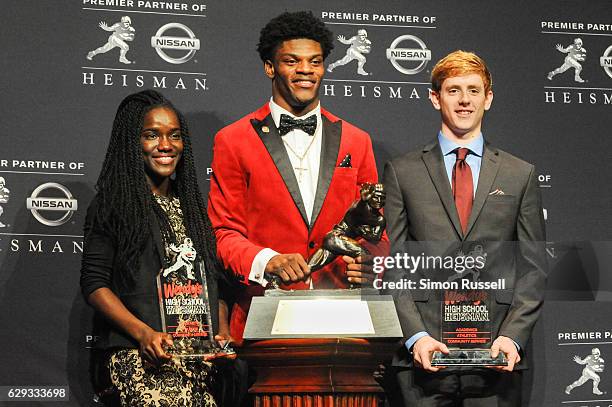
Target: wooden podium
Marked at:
319, 348
317, 372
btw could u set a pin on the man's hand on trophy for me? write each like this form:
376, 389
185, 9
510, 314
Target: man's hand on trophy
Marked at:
359, 270
506, 345
422, 351
291, 268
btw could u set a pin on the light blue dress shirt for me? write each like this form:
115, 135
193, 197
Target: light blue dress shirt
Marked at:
474, 160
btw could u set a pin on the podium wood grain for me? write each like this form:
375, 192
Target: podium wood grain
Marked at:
316, 372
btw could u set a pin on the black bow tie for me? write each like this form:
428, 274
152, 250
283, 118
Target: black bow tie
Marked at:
288, 123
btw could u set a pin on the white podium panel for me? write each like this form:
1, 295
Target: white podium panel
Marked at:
322, 314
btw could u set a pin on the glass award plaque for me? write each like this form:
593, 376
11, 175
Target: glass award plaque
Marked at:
185, 312
466, 330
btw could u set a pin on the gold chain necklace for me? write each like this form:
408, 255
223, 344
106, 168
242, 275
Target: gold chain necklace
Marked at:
299, 168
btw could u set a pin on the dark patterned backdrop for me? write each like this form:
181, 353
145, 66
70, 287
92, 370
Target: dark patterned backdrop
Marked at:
58, 107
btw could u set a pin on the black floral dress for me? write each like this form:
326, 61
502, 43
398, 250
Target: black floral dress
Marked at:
179, 382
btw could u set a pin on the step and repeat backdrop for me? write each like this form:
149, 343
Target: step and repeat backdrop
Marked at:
63, 74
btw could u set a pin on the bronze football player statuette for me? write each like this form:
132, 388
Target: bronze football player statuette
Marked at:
363, 219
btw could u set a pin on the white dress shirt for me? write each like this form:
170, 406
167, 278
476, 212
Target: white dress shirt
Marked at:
298, 141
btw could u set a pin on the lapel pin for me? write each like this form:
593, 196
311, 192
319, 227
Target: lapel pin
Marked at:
265, 129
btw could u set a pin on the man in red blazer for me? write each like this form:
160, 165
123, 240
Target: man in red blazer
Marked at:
285, 174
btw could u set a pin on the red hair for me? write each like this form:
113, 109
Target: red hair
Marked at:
459, 63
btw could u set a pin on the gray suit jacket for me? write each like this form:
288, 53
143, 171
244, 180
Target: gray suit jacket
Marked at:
420, 208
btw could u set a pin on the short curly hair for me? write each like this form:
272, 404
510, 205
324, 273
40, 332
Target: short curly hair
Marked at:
290, 26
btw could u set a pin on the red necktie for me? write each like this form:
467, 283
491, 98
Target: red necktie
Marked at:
463, 188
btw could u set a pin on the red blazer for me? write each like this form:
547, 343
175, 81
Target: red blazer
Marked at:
255, 202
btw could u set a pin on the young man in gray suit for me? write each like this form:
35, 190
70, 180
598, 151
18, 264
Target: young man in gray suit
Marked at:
461, 189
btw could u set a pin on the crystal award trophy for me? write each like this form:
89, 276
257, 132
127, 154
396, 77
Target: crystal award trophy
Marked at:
185, 312
466, 330
465, 323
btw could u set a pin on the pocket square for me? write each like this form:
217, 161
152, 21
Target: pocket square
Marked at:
346, 162
497, 191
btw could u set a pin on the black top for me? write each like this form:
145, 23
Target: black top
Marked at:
141, 296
